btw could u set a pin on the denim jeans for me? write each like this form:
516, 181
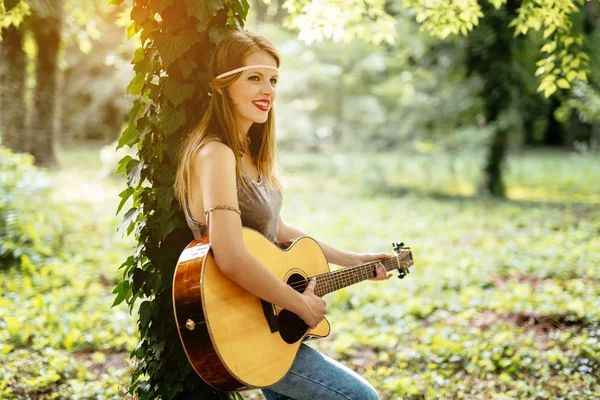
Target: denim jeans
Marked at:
314, 376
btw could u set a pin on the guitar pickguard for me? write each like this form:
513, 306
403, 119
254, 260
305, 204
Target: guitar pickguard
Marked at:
291, 327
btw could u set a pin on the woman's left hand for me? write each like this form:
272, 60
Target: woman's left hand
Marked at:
380, 269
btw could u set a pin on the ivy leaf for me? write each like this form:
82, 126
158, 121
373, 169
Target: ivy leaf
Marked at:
10, 4
124, 195
172, 47
139, 277
164, 195
128, 263
132, 30
160, 5
246, 8
138, 55
129, 136
145, 313
123, 165
147, 29
121, 292
134, 171
173, 390
186, 67
203, 10
139, 14
135, 110
177, 93
170, 120
129, 218
137, 84
216, 34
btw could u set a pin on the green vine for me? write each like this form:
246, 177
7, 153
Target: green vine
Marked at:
171, 82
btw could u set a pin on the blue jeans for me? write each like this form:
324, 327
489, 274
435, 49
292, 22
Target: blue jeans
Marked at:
314, 376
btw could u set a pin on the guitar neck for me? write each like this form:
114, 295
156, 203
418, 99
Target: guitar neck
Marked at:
331, 281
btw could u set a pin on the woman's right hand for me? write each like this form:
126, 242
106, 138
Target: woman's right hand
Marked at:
315, 307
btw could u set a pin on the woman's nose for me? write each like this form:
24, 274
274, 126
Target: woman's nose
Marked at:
268, 88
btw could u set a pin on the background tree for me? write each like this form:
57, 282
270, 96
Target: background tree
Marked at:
564, 64
33, 114
46, 25
13, 69
12, 96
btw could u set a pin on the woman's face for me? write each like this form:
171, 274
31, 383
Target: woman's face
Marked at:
253, 94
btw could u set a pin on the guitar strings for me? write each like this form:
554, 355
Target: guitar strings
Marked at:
341, 275
346, 276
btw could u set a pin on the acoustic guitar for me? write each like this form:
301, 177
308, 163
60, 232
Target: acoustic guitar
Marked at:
233, 339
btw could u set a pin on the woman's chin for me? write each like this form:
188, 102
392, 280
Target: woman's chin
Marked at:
261, 120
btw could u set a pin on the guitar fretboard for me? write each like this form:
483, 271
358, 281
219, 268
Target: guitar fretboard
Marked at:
335, 280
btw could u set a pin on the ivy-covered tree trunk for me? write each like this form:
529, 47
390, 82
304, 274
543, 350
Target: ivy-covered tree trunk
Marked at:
489, 55
12, 89
171, 83
46, 25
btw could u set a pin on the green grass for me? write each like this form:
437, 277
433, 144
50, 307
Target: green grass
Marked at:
503, 300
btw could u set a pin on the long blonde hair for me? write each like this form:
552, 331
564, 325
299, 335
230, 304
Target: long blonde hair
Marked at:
219, 123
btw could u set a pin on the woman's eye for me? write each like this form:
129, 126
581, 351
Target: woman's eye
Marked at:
253, 77
274, 81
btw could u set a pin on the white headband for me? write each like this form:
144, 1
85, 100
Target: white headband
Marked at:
245, 68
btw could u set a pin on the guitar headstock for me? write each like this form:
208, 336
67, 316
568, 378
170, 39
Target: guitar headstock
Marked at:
405, 258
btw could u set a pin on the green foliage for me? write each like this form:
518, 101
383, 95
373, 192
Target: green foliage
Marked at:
58, 336
445, 18
24, 232
412, 94
171, 85
349, 21
10, 4
503, 297
13, 12
502, 302
565, 61
56, 321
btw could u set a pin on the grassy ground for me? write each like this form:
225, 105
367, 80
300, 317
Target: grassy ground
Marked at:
503, 301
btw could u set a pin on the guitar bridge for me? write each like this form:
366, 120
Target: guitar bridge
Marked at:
270, 315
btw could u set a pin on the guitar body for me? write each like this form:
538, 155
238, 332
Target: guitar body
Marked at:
224, 328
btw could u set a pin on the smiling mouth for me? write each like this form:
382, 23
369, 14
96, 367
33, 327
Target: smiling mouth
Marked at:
262, 105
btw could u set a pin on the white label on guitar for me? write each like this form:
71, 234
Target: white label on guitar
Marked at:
193, 252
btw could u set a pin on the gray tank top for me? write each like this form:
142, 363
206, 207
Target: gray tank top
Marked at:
259, 205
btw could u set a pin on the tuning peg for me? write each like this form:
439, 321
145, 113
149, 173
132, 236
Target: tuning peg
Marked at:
402, 273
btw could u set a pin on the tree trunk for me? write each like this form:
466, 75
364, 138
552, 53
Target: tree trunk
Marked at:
12, 89
554, 133
47, 31
490, 57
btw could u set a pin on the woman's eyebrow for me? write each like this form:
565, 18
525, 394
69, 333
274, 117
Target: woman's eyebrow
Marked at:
256, 72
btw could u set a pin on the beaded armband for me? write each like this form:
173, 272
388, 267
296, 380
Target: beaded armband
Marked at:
220, 207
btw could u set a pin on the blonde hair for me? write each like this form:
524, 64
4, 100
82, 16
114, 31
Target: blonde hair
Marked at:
219, 123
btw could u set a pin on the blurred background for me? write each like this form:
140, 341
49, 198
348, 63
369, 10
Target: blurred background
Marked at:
447, 144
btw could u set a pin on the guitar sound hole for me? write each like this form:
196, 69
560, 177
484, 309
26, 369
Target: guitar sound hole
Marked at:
291, 327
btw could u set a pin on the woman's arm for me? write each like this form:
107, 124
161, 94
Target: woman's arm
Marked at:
214, 171
287, 234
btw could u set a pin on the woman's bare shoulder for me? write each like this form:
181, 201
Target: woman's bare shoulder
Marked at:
215, 151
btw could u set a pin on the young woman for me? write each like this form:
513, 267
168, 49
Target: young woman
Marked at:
227, 179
